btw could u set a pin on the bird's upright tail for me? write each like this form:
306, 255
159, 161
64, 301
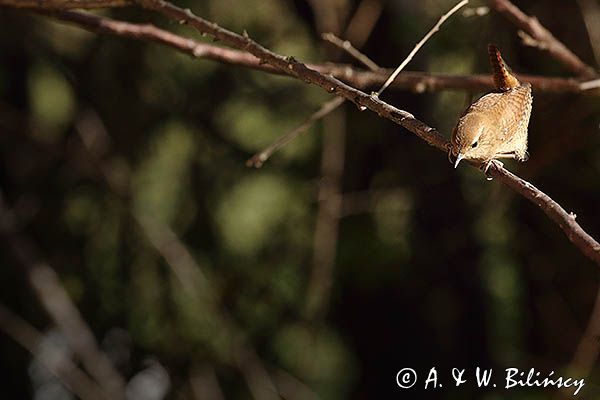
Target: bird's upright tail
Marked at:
503, 77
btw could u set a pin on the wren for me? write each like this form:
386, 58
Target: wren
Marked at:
495, 126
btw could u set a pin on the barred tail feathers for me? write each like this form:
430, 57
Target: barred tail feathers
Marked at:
503, 77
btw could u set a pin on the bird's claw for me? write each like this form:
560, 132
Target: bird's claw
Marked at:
486, 166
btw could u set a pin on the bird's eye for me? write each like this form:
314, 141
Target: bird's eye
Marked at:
475, 143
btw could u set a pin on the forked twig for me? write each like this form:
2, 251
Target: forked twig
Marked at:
259, 159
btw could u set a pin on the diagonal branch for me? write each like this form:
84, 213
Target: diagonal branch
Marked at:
584, 242
420, 44
259, 159
543, 38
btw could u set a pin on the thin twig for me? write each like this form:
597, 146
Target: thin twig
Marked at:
353, 51
259, 159
593, 84
56, 361
544, 39
414, 51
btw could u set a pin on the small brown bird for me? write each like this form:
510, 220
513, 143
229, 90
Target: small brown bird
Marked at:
495, 126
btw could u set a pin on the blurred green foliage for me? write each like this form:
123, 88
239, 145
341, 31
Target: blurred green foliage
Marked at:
51, 102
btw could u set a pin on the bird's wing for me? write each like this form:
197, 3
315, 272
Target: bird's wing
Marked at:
514, 110
486, 103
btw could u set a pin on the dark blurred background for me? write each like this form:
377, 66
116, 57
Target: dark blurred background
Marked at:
354, 252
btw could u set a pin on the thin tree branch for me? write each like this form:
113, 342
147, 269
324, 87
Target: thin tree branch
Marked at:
420, 44
418, 82
583, 241
421, 82
57, 362
589, 85
353, 51
259, 159
543, 38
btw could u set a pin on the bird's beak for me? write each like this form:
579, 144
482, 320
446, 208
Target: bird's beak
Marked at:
458, 158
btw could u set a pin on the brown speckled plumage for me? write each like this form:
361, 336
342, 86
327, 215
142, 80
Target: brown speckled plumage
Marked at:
495, 126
